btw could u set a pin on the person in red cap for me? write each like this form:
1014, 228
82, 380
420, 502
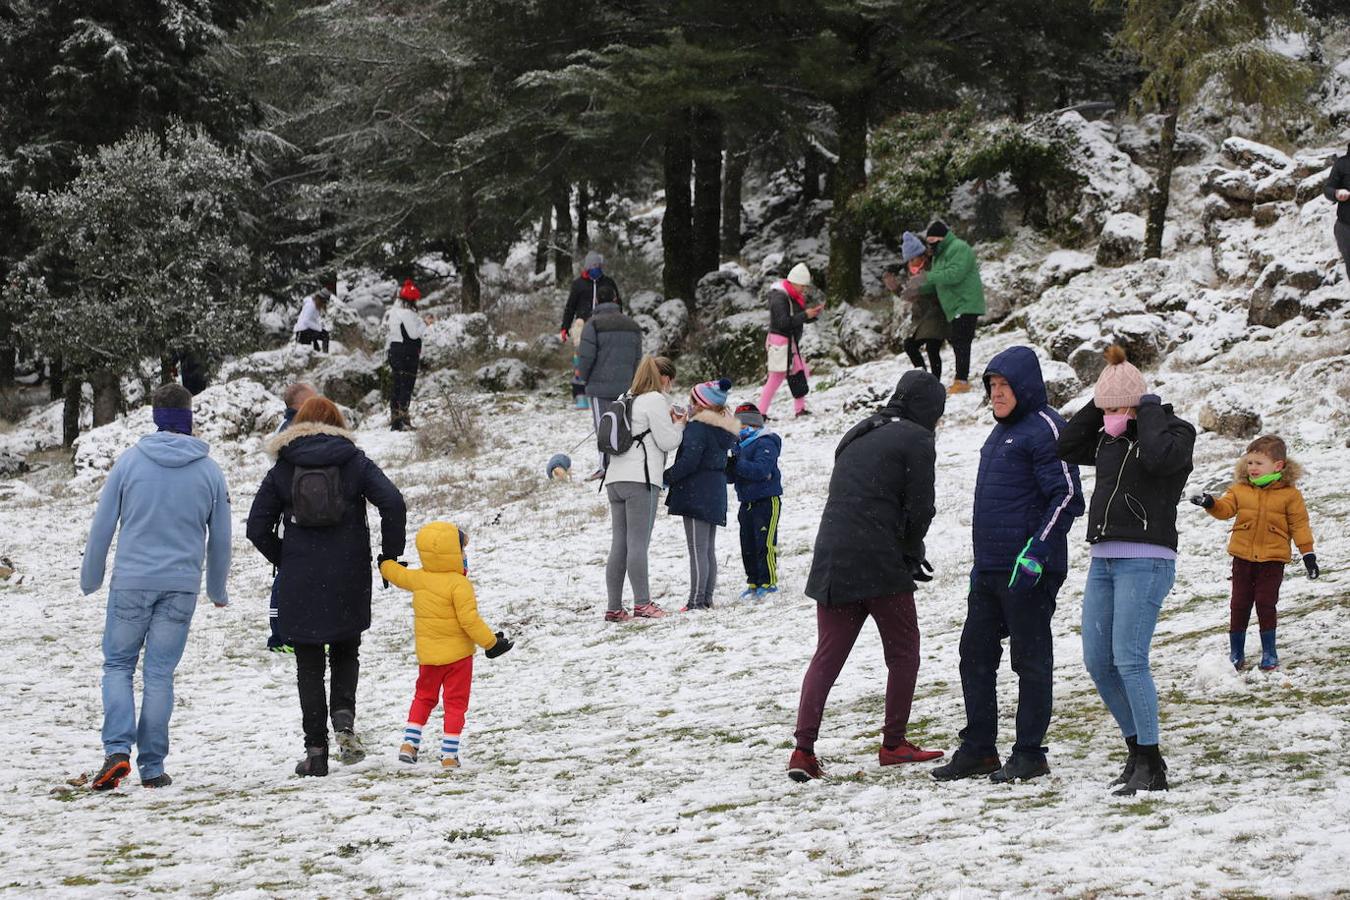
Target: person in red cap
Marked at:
405, 353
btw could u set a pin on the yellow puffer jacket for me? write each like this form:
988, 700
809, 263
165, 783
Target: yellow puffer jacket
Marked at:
1267, 518
445, 613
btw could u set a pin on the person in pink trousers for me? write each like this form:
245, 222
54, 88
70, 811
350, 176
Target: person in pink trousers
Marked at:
788, 315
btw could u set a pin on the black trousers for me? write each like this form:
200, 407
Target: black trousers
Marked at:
318, 339
931, 346
759, 540
344, 661
963, 335
994, 612
1342, 232
402, 382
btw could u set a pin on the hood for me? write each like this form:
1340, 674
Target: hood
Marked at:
607, 309
438, 546
172, 450
593, 260
918, 397
312, 444
725, 420
1023, 370
1292, 473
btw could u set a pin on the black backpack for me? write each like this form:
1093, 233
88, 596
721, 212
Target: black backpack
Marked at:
614, 433
316, 497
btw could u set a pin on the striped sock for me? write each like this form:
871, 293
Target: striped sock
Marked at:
412, 734
450, 745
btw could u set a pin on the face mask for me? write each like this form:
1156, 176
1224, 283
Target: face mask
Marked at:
746, 432
1266, 479
1115, 425
466, 562
594, 273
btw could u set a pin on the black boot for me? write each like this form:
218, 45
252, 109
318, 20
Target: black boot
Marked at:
1132, 746
1021, 767
1150, 772
314, 763
966, 765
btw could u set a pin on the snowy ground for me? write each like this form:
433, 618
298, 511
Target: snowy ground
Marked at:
604, 759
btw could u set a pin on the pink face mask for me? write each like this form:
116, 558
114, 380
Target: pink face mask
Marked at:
1115, 425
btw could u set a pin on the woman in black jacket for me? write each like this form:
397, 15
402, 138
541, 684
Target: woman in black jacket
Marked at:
1142, 452
788, 315
319, 487
869, 552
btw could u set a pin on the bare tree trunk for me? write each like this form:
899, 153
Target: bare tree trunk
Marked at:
677, 224
846, 233
166, 373
470, 285
107, 396
562, 235
9, 352
812, 168
545, 238
732, 181
583, 220
1161, 195
71, 394
707, 216
56, 379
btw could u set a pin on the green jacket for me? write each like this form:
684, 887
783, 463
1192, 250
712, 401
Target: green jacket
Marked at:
955, 277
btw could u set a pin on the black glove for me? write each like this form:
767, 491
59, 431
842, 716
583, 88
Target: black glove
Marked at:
379, 561
1150, 400
498, 648
1310, 563
919, 569
1205, 500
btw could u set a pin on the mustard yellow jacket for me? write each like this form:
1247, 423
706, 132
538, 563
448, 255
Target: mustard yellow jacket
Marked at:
1267, 518
445, 613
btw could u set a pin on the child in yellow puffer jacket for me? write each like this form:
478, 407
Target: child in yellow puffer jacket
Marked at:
449, 632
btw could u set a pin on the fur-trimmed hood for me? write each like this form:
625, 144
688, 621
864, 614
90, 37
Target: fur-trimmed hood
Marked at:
724, 420
312, 444
1292, 472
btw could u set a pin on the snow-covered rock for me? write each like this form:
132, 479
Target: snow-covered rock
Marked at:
1230, 412
1242, 152
450, 339
1122, 240
507, 374
665, 328
1062, 383
1061, 266
1279, 292
860, 336
1113, 182
728, 290
347, 378
644, 303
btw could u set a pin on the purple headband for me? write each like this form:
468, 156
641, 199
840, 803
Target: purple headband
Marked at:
178, 421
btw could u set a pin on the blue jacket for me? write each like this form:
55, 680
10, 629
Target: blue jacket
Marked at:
754, 467
698, 482
1023, 490
173, 508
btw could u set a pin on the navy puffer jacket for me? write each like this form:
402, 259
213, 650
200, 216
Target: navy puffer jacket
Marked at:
1024, 491
697, 479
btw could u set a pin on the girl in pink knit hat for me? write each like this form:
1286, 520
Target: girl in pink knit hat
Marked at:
1142, 452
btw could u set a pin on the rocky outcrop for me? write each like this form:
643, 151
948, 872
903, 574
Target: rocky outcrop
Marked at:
1122, 240
1279, 292
1231, 414
507, 374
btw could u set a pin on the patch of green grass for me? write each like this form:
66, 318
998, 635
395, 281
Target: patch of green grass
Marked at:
346, 851
78, 880
544, 858
476, 833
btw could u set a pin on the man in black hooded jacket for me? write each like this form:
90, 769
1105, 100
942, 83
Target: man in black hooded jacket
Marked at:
1338, 192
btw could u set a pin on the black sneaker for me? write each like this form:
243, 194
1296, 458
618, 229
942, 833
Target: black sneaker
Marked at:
160, 780
115, 767
314, 763
1021, 767
966, 765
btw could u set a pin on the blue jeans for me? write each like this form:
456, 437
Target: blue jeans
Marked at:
1121, 602
157, 621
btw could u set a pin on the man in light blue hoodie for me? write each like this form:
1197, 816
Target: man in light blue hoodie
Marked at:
173, 508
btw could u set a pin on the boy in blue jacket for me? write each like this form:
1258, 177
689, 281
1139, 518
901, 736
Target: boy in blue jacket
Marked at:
753, 468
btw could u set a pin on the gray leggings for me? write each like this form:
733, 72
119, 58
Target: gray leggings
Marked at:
632, 512
701, 537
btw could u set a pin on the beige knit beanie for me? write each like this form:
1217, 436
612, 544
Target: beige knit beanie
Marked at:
1120, 383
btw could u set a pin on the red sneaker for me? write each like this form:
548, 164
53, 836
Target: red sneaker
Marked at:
647, 611
905, 752
617, 615
804, 766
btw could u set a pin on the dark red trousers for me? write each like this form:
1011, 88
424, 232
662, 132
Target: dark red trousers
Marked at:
837, 628
1254, 584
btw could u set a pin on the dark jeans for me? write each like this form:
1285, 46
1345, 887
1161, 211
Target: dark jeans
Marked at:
837, 628
933, 348
402, 382
759, 540
994, 612
344, 660
1254, 584
318, 339
1342, 232
963, 335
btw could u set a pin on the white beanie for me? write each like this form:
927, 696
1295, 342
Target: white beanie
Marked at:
800, 275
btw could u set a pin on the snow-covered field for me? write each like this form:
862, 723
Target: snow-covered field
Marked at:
606, 759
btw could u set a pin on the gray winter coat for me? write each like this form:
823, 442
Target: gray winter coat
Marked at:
930, 323
611, 347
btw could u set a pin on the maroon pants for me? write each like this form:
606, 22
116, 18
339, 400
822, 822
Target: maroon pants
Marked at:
1254, 584
837, 629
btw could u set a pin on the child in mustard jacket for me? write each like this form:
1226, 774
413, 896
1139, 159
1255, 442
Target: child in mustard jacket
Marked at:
448, 630
1269, 511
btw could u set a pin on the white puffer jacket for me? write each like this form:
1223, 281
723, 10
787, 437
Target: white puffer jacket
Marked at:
651, 413
410, 321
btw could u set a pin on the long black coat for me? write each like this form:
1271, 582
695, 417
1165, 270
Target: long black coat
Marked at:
324, 574
881, 498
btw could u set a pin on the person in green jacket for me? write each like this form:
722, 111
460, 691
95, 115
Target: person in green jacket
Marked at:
955, 278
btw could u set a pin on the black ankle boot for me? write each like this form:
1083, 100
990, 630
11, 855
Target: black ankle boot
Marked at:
1150, 772
1132, 747
314, 763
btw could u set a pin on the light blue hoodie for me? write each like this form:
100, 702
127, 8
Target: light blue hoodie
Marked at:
174, 509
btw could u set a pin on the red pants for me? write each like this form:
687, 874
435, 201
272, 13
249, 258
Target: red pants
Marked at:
1258, 584
837, 628
450, 684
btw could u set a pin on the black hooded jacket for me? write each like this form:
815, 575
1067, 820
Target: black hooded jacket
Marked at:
881, 498
1339, 179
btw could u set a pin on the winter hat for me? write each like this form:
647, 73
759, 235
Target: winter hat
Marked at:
749, 414
593, 261
409, 291
800, 275
559, 461
1120, 383
937, 228
911, 246
712, 393
171, 408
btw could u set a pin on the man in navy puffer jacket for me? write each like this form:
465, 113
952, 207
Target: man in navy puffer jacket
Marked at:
1026, 499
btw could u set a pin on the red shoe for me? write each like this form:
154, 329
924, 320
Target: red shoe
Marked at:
804, 766
617, 615
647, 611
905, 752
